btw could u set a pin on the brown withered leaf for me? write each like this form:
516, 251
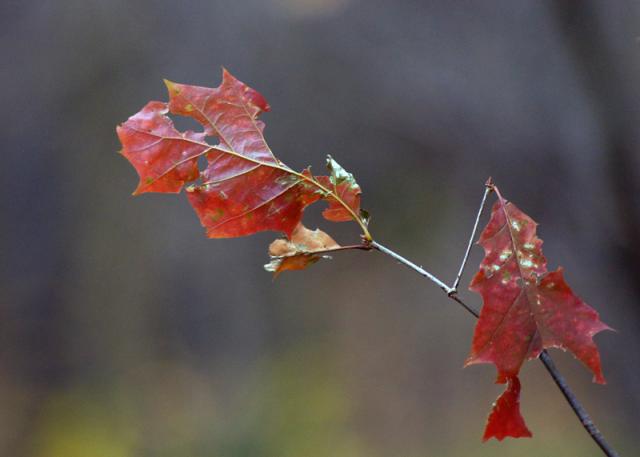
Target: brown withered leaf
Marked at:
304, 248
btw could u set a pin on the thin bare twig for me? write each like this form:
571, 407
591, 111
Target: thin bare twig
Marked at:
488, 187
577, 407
413, 266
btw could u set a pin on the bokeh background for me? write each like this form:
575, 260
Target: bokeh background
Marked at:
125, 332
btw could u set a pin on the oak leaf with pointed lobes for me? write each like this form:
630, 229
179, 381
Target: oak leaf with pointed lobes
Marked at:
244, 188
526, 308
304, 248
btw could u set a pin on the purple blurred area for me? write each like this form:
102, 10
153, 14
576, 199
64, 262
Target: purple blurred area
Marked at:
124, 331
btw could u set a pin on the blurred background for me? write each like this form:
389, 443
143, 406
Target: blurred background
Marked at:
124, 331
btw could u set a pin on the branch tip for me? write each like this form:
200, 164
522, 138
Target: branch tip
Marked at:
490, 184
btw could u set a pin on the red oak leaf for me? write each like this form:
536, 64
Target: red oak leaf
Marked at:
244, 188
526, 308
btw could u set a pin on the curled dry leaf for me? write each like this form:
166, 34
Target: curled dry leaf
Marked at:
304, 248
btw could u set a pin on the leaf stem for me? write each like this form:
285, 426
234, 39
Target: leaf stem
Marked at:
545, 358
349, 247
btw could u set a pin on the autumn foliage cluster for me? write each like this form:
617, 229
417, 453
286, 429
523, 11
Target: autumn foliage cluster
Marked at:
242, 188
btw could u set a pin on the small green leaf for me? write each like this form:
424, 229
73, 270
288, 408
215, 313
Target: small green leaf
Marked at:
338, 174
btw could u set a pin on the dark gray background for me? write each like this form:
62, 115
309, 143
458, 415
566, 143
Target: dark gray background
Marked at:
125, 332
